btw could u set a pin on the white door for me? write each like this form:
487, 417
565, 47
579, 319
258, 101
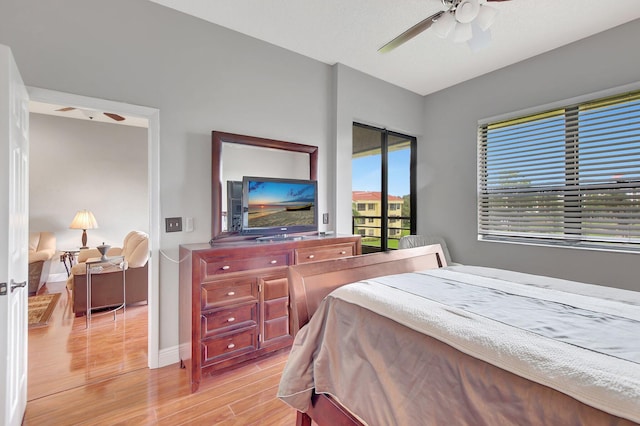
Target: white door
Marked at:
14, 233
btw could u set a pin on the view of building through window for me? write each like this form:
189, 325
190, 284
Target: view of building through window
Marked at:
381, 187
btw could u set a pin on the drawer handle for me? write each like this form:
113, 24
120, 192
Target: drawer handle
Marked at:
273, 262
311, 256
343, 252
231, 346
225, 267
232, 319
231, 293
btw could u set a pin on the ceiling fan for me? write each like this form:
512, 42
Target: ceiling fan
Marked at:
92, 114
465, 19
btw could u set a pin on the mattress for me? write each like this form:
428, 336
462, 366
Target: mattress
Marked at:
572, 345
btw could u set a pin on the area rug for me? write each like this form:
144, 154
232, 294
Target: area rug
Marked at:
40, 309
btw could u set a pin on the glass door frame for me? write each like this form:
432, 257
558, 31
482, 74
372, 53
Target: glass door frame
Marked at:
385, 135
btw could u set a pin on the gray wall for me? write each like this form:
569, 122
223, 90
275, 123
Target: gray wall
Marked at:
447, 156
80, 164
364, 99
201, 77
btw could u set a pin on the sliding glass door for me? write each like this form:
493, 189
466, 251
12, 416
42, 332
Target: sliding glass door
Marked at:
383, 186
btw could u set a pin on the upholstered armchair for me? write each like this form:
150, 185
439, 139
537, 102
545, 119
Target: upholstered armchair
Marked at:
409, 241
42, 247
106, 287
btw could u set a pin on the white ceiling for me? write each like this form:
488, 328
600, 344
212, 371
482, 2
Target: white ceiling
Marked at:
351, 31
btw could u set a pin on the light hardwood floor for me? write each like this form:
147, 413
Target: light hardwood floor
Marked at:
99, 377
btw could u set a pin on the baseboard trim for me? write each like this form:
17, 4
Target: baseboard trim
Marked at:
168, 356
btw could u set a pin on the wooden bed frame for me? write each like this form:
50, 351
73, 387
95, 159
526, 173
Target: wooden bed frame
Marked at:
310, 283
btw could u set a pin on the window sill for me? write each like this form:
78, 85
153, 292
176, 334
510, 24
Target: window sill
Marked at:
565, 245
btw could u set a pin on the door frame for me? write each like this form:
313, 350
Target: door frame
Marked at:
153, 170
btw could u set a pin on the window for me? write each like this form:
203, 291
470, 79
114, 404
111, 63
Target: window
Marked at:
361, 207
568, 176
371, 206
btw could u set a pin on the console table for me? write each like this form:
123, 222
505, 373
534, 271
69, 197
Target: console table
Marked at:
98, 265
234, 298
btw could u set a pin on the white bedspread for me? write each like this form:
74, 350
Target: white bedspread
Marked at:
602, 371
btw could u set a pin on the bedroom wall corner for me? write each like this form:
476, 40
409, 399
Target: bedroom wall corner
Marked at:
447, 168
368, 100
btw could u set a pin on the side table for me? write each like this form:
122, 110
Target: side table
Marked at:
98, 265
70, 257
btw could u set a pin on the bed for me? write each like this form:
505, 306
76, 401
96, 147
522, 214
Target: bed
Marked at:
400, 338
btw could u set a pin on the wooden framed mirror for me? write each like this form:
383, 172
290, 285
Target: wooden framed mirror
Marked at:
220, 138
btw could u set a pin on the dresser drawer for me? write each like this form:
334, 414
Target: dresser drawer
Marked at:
276, 328
229, 345
313, 254
226, 266
228, 292
228, 319
274, 287
276, 308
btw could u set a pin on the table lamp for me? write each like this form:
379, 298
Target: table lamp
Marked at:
84, 220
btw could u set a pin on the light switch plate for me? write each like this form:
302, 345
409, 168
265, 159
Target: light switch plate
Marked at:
173, 224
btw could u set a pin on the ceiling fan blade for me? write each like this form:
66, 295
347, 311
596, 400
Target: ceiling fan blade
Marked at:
421, 26
114, 116
65, 109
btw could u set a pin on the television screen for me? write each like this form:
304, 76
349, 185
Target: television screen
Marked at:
279, 206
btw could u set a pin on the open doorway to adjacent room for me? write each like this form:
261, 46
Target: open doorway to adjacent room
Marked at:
82, 158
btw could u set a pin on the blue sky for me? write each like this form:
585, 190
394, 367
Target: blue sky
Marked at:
366, 173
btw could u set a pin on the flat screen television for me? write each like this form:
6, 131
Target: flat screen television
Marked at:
276, 206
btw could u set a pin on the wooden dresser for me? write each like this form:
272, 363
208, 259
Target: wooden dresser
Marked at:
234, 298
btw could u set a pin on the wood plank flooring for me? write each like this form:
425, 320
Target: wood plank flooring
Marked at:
99, 377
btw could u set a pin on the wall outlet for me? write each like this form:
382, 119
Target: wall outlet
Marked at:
173, 224
325, 218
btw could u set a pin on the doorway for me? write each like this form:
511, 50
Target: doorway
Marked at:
153, 142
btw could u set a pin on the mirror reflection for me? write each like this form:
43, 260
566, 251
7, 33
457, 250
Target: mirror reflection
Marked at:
245, 160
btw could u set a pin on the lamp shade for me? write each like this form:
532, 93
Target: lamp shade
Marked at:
462, 33
444, 25
84, 219
486, 16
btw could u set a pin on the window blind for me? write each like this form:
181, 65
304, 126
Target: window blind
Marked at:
566, 176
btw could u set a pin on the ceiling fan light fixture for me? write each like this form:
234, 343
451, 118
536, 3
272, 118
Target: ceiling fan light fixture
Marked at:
480, 40
89, 113
486, 17
467, 11
462, 33
444, 25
